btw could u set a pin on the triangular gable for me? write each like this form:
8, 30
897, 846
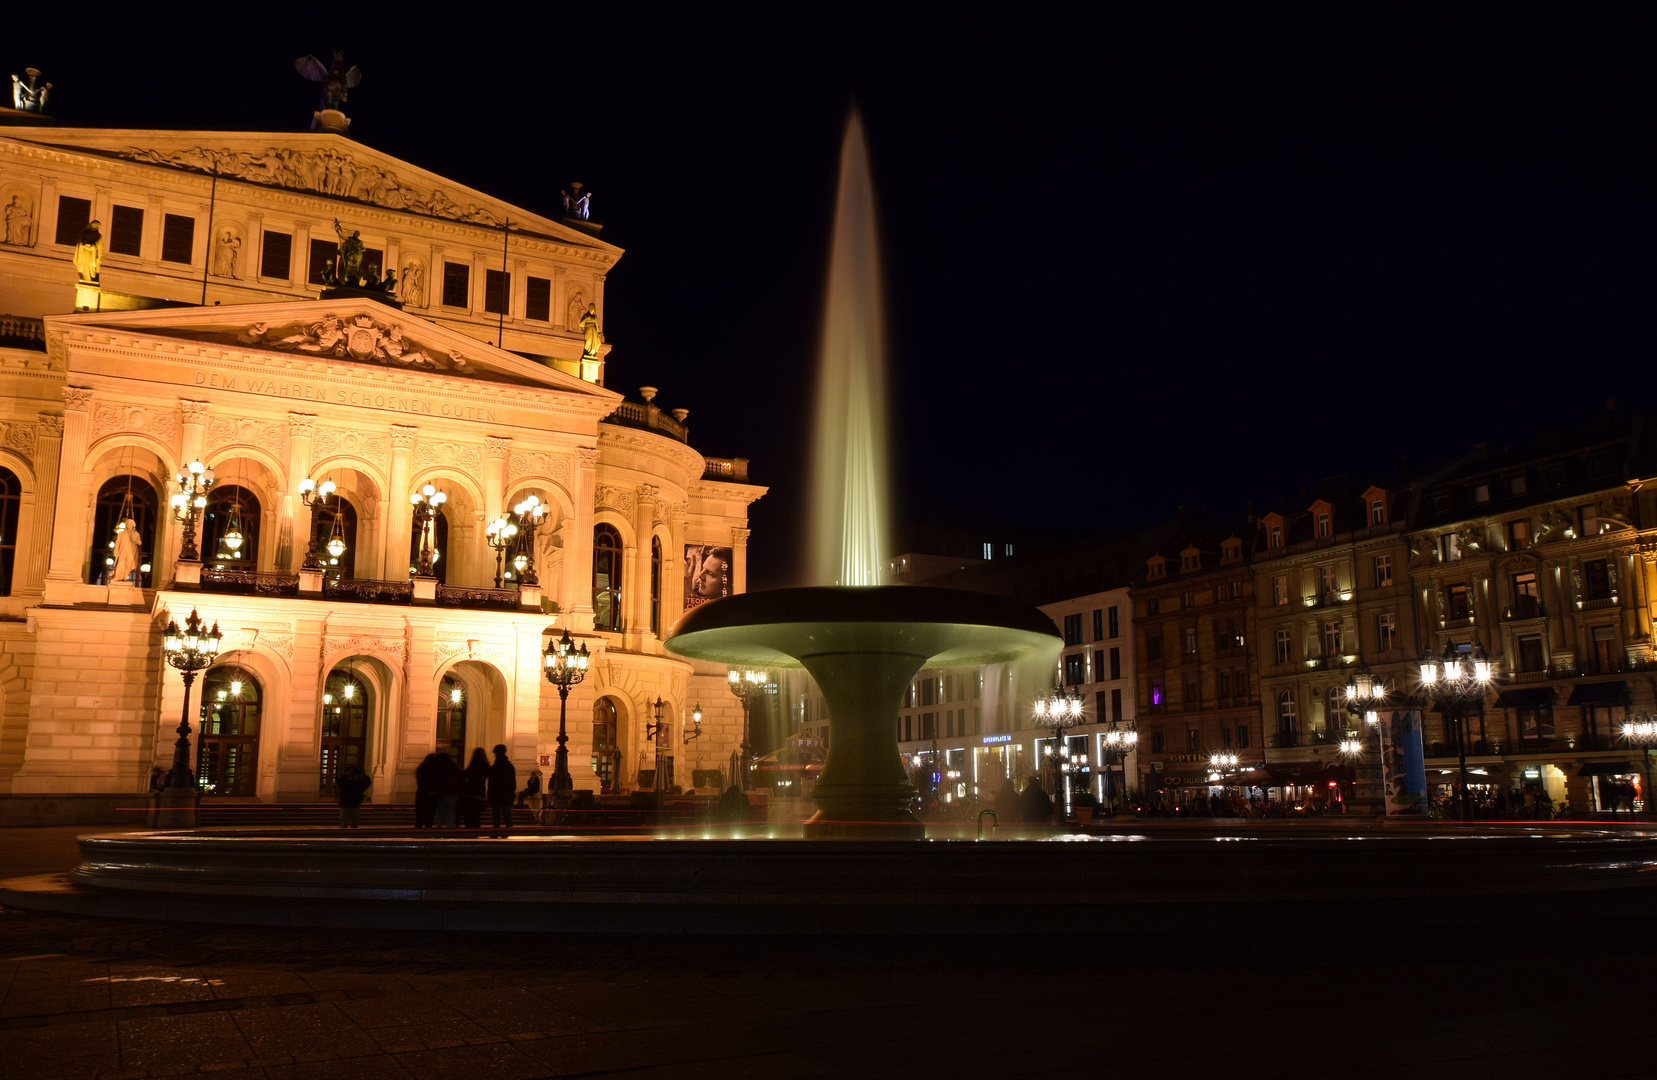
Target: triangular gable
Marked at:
353, 331
319, 163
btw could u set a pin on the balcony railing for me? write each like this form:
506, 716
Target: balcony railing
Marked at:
649, 417
1529, 608
369, 590
248, 582
1279, 740
22, 332
731, 470
462, 596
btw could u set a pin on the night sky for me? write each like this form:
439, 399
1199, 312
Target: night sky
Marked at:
1131, 265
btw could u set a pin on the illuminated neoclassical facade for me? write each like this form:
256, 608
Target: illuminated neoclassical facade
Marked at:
203, 339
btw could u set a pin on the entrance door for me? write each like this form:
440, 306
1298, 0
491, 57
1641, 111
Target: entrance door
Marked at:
344, 726
604, 743
227, 749
451, 720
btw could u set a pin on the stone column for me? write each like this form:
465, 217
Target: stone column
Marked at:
577, 587
739, 560
495, 450
193, 435
559, 315
673, 589
48, 446
629, 587
254, 248
399, 520
69, 522
293, 538
518, 306
644, 518
150, 244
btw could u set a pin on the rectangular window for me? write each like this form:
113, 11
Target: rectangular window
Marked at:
1323, 526
1116, 704
1073, 673
1153, 646
929, 691
1116, 663
1225, 684
1156, 692
1536, 723
1240, 681
1378, 512
1383, 571
1098, 624
457, 285
1530, 653
276, 256
908, 729
497, 291
1188, 599
929, 725
1604, 657
323, 254
1326, 580
1280, 590
1072, 629
1153, 606
1460, 600
1386, 631
1516, 485
977, 720
178, 238
1527, 596
1596, 584
1098, 665
1157, 741
1553, 476
1115, 625
1189, 636
1332, 639
538, 299
1191, 697
1193, 739
1277, 536
1220, 593
1449, 547
73, 216
1225, 738
1242, 736
1481, 493
1518, 535
126, 230
1099, 706
1285, 647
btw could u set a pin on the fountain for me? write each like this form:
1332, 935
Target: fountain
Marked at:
862, 641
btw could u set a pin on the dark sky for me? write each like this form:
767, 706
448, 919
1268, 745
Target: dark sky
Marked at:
1130, 264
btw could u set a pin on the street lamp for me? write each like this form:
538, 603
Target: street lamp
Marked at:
189, 651
426, 502
1221, 767
564, 665
188, 502
315, 495
1061, 710
1455, 682
1365, 695
499, 534
1641, 731
696, 725
653, 732
530, 512
1119, 743
747, 684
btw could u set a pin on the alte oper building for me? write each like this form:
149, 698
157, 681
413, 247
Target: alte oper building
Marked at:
159, 305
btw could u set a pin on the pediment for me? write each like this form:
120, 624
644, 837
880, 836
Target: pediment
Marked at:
353, 331
317, 163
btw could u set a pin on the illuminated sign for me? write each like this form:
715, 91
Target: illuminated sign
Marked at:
988, 739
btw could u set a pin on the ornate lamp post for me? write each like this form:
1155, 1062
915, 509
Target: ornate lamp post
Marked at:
188, 502
1221, 768
564, 665
530, 514
1641, 731
189, 651
426, 502
1455, 683
653, 732
696, 725
315, 495
1061, 710
747, 684
1119, 743
499, 534
1365, 695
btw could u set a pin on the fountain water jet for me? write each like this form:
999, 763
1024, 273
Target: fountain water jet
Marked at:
862, 641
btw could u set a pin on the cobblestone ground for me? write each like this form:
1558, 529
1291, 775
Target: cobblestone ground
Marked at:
107, 998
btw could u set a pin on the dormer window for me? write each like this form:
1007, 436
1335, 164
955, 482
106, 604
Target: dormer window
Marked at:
1378, 512
1231, 551
1277, 536
1155, 567
1190, 559
1323, 526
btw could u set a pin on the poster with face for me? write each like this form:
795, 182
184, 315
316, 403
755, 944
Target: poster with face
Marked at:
707, 573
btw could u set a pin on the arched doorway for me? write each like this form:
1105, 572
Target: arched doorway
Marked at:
111, 505
656, 585
606, 759
440, 548
230, 529
227, 749
346, 706
11, 505
607, 569
452, 703
339, 519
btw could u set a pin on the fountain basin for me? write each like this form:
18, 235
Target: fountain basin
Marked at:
864, 646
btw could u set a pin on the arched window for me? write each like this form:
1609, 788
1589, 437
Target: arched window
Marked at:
227, 750
440, 549
451, 719
344, 725
106, 517
607, 566
656, 585
323, 521
230, 511
606, 759
11, 503
1286, 715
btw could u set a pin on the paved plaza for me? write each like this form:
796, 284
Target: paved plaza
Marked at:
1344, 997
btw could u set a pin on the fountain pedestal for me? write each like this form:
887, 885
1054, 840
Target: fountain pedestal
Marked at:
863, 792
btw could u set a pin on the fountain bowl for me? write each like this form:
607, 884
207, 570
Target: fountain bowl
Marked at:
864, 646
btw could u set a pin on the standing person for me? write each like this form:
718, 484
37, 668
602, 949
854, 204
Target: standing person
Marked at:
428, 789
1034, 805
1006, 803
477, 782
451, 787
158, 778
503, 788
350, 786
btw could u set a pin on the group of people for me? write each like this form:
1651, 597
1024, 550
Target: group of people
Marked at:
449, 797
1030, 806
1499, 804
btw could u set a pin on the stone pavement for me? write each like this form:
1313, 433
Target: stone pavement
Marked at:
88, 998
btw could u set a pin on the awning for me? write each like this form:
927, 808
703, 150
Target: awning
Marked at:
1599, 693
1606, 768
1533, 697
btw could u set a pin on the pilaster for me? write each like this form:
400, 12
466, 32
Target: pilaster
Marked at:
68, 521
495, 449
292, 538
48, 459
577, 586
739, 560
399, 522
193, 432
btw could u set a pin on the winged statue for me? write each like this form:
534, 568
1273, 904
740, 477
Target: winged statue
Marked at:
335, 80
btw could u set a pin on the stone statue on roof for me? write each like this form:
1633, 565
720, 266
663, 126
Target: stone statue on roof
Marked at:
26, 96
350, 256
335, 80
591, 338
89, 253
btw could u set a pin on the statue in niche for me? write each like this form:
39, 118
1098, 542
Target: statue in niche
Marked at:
591, 339
26, 96
89, 253
126, 553
413, 286
20, 222
335, 80
577, 308
224, 255
350, 257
